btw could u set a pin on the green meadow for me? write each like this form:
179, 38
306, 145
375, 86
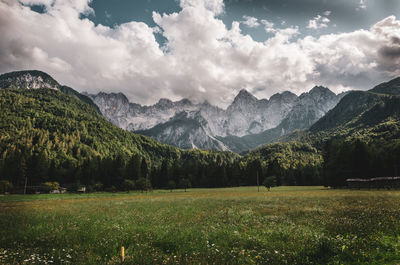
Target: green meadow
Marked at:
287, 225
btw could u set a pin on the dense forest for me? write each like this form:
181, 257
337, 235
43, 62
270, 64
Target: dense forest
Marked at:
49, 136
359, 138
58, 135
356, 158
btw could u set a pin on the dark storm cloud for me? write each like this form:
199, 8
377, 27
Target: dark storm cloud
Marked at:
390, 52
395, 40
390, 55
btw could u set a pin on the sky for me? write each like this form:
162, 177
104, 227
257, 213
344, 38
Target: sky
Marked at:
203, 49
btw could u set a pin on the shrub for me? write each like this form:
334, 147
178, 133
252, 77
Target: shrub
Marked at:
143, 184
269, 182
49, 186
185, 184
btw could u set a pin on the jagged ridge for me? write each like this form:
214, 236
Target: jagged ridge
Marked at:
245, 124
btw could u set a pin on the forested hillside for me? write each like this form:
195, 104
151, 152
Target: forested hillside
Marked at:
47, 135
50, 132
359, 138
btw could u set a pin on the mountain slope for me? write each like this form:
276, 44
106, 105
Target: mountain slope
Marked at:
186, 130
307, 109
71, 92
248, 115
247, 123
134, 117
369, 115
390, 88
358, 138
33, 79
348, 109
359, 115
41, 116
47, 135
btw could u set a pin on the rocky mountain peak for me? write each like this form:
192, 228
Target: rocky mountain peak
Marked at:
284, 96
244, 95
116, 97
321, 91
164, 102
185, 124
31, 79
184, 102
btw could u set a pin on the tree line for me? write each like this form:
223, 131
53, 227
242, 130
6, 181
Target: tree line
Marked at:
341, 159
122, 172
47, 137
358, 158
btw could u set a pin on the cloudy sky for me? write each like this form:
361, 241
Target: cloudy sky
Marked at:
203, 49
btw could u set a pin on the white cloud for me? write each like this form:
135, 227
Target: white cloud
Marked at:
327, 13
362, 5
319, 21
108, 15
201, 60
268, 26
215, 6
250, 22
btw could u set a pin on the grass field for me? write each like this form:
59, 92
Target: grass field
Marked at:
288, 225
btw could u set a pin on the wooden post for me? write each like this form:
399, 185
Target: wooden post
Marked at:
26, 181
122, 254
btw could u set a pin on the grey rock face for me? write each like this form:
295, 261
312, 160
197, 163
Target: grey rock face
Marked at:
28, 80
309, 108
189, 125
187, 129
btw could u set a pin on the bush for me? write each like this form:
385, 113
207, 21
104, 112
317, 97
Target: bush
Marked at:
185, 184
269, 182
49, 186
143, 184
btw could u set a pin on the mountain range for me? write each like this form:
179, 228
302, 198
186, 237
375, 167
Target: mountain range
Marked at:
245, 124
52, 132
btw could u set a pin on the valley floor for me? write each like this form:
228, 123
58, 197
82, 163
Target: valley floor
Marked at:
288, 225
